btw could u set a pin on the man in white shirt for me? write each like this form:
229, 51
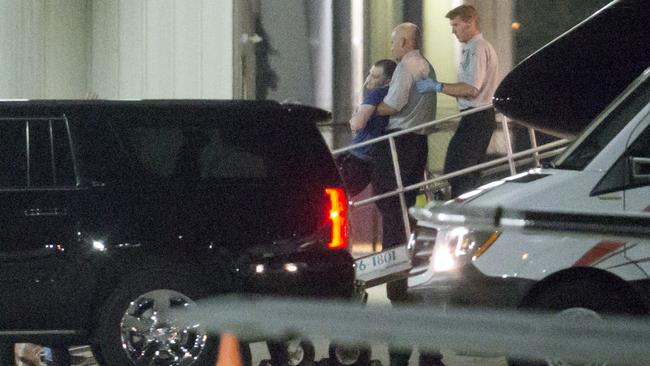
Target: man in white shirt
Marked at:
477, 81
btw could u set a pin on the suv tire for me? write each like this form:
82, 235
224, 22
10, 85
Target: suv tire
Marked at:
143, 303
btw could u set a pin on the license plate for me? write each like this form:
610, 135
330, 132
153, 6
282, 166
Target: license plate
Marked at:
385, 266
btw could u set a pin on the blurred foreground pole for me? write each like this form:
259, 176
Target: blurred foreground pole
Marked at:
478, 331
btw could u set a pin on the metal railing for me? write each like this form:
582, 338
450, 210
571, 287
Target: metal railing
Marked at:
536, 152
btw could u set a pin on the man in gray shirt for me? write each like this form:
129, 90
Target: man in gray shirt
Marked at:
407, 108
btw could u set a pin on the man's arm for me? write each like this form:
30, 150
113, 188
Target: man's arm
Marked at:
453, 89
398, 92
459, 90
362, 116
468, 88
384, 109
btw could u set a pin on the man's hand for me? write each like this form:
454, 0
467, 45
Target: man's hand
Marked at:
428, 86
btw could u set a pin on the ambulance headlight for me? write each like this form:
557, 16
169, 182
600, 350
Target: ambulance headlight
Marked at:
457, 246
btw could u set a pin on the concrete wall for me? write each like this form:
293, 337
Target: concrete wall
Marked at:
117, 49
162, 49
285, 23
44, 51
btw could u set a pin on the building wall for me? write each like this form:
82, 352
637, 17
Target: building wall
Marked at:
43, 53
382, 17
116, 49
285, 23
162, 49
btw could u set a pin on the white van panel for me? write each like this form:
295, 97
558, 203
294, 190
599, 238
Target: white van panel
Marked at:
534, 257
637, 199
561, 190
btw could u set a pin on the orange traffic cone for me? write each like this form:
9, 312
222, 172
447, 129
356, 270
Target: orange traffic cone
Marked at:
229, 352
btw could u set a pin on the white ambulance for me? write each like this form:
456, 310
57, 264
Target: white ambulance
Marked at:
605, 170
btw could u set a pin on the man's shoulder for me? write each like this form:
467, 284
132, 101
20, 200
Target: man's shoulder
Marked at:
415, 64
483, 44
413, 57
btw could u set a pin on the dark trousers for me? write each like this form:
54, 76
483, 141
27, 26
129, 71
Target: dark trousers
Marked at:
412, 153
467, 148
412, 156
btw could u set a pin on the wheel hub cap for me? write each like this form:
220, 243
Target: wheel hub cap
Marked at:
152, 336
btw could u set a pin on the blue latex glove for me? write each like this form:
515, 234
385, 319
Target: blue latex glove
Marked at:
428, 86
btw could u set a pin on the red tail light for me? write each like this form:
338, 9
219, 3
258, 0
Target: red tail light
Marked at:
337, 216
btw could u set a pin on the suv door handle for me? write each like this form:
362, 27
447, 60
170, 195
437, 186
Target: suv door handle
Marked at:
45, 212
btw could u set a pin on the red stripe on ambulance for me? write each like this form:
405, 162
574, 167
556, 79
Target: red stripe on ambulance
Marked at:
598, 251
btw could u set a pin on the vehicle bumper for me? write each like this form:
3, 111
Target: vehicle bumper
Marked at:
469, 287
312, 274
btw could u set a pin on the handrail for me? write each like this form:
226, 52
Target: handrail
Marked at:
471, 169
411, 129
400, 190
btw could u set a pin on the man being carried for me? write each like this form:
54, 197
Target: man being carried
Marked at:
357, 166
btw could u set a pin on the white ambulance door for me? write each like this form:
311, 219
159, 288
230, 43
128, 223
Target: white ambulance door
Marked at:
637, 193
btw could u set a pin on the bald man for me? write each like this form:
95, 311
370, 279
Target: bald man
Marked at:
407, 108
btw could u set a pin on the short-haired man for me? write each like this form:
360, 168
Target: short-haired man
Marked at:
477, 81
407, 108
357, 166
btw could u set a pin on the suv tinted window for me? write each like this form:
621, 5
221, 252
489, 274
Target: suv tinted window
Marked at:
193, 152
50, 157
35, 153
13, 154
166, 152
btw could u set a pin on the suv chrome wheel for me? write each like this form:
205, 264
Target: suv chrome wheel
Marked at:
300, 352
347, 355
343, 355
152, 336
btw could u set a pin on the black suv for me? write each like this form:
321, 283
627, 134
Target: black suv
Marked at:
116, 212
